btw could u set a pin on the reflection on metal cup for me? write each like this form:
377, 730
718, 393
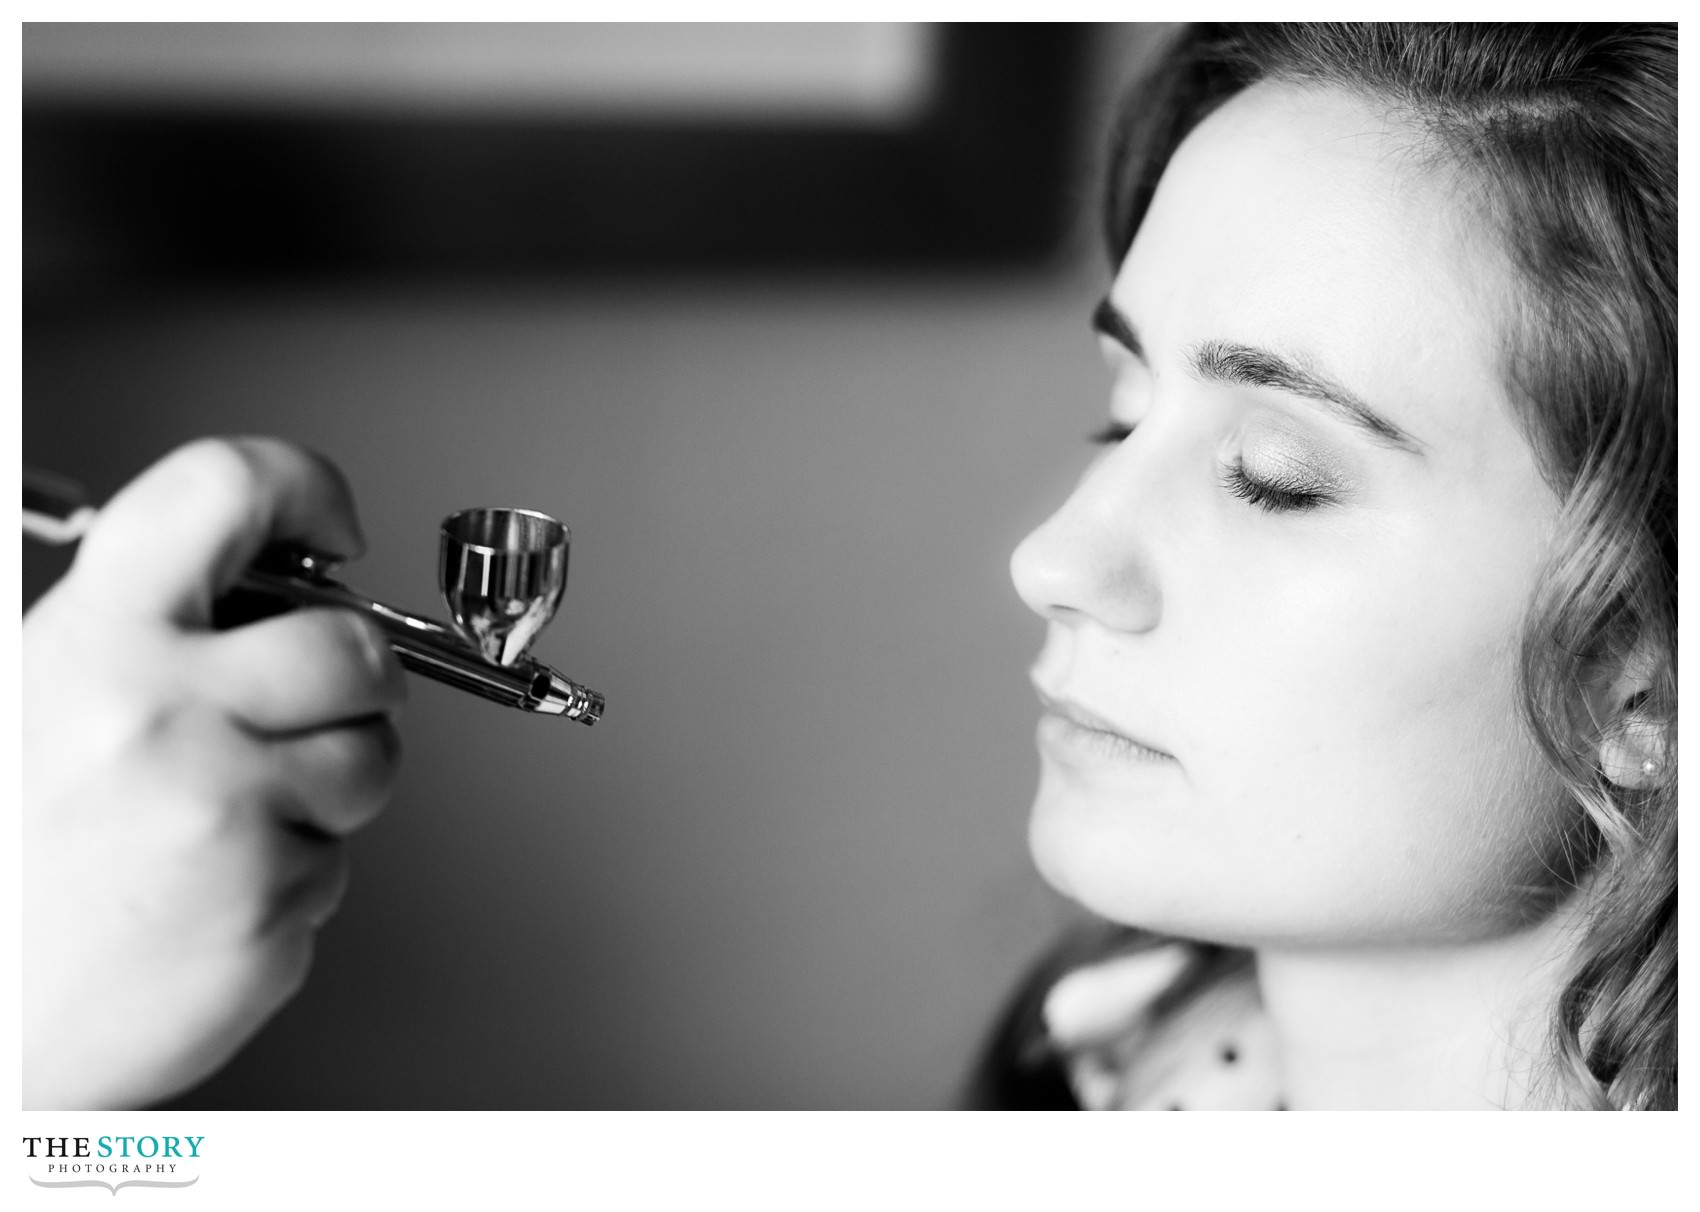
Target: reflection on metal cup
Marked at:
502, 573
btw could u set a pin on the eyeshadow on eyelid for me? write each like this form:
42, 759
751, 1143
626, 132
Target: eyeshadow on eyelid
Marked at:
1306, 468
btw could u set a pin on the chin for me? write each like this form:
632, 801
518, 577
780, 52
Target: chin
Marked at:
1137, 880
1074, 858
1049, 854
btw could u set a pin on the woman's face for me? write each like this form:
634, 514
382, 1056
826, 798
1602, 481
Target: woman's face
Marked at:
1283, 610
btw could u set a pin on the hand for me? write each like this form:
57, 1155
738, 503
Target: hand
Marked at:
186, 791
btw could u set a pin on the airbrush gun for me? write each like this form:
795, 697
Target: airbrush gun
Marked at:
502, 573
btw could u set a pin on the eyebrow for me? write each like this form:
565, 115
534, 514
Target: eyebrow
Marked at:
1233, 363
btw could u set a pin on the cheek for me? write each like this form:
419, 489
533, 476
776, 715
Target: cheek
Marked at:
1338, 673
1369, 731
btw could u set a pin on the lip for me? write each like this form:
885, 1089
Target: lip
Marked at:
1074, 732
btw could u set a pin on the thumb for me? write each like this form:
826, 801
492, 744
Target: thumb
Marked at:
180, 534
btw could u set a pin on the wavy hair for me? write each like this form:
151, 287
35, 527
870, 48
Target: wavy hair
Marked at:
1564, 137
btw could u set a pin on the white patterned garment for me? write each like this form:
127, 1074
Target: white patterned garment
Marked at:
1216, 1052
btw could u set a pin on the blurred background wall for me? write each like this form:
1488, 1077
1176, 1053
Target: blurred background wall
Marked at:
789, 868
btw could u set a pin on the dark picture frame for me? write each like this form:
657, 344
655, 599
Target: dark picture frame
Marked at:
149, 191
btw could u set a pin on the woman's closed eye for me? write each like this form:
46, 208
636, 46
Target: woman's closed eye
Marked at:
1271, 494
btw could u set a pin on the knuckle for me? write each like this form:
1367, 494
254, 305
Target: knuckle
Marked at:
373, 751
204, 791
207, 828
129, 724
387, 738
359, 772
161, 735
329, 890
380, 761
205, 876
281, 965
310, 899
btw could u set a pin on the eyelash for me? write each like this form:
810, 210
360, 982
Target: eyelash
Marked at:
1271, 498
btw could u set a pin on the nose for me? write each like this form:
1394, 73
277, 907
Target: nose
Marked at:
1092, 559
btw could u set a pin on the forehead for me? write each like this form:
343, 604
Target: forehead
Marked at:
1311, 221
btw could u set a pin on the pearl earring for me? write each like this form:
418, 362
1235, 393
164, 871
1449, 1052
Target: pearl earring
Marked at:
1650, 767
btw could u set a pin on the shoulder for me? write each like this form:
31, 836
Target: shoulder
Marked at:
1108, 1016
1163, 1026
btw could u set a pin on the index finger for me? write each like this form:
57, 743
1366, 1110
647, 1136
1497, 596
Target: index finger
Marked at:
179, 534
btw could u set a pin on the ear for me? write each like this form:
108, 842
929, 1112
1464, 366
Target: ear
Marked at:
1634, 746
1634, 757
